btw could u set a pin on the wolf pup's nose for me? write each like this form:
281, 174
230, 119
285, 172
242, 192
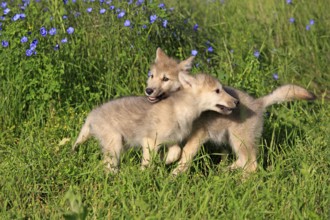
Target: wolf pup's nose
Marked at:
236, 102
149, 91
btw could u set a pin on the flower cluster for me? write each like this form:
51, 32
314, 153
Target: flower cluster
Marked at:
154, 18
32, 49
292, 20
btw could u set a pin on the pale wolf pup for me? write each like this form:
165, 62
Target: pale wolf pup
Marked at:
241, 129
134, 121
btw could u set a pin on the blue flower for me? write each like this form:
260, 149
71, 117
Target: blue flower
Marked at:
121, 14
165, 23
153, 18
144, 26
256, 53
43, 31
112, 7
161, 5
22, 16
89, 10
56, 47
35, 41
70, 30
210, 49
33, 46
130, 2
102, 10
52, 31
195, 27
65, 1
16, 17
77, 14
289, 1
139, 2
275, 76
74, 1
29, 52
127, 23
5, 43
6, 11
308, 27
3, 4
65, 17
24, 39
194, 52
64, 40
27, 2
291, 20
311, 22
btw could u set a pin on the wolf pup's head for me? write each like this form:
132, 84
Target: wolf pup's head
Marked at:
163, 77
209, 92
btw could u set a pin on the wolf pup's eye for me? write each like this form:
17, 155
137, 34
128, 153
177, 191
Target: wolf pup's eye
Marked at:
165, 79
217, 91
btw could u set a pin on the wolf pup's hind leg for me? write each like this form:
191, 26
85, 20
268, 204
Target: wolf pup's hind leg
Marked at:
112, 147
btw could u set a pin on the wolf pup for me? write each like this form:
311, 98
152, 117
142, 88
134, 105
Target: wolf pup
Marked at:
134, 121
240, 129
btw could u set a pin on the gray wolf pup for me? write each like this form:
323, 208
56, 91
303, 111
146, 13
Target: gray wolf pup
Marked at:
134, 121
240, 129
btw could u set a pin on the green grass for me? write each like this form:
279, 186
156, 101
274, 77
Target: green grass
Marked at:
45, 98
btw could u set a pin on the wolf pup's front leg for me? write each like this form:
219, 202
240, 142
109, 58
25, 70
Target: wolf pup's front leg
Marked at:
149, 148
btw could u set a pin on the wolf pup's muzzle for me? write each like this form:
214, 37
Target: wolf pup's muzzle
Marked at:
152, 99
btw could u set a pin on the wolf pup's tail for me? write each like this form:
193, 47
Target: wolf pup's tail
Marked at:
83, 135
286, 93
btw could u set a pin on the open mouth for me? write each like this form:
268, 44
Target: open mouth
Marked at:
225, 109
157, 98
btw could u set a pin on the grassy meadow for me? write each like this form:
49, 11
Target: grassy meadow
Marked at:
60, 59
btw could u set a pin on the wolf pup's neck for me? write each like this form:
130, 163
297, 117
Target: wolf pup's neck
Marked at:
186, 107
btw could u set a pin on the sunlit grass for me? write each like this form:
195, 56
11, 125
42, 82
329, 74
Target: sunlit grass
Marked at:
49, 83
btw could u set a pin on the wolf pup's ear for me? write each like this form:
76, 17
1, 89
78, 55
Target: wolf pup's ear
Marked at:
186, 65
160, 55
186, 80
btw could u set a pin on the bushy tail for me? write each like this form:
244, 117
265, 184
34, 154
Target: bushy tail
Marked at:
286, 93
83, 135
